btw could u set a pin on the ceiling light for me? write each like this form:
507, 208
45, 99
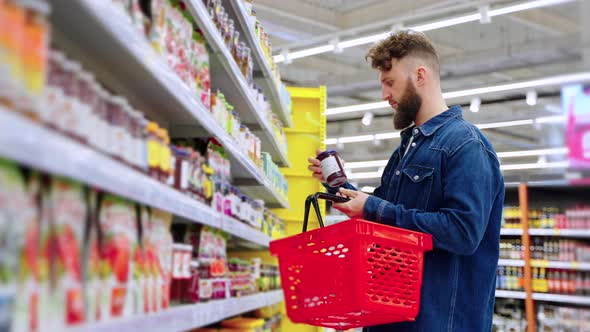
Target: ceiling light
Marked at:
531, 98
285, 56
484, 12
515, 167
365, 164
505, 154
548, 81
367, 119
505, 124
491, 125
430, 26
512, 167
336, 43
475, 104
528, 153
340, 145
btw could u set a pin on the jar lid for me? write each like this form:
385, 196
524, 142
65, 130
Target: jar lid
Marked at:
326, 153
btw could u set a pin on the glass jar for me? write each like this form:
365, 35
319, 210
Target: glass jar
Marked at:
54, 93
181, 169
69, 119
332, 168
85, 97
235, 46
229, 32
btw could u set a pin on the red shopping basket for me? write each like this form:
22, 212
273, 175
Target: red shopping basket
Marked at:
352, 274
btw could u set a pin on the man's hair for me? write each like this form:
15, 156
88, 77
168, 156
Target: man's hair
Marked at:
403, 44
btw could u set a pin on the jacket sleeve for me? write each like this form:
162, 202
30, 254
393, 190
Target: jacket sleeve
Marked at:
471, 182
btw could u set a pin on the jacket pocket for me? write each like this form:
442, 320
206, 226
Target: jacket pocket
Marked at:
416, 186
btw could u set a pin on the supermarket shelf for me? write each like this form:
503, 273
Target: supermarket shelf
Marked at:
143, 77
510, 262
33, 145
511, 231
186, 317
227, 76
510, 294
268, 81
572, 299
561, 265
577, 233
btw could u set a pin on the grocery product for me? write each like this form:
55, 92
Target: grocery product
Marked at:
119, 239
70, 212
19, 239
332, 168
162, 243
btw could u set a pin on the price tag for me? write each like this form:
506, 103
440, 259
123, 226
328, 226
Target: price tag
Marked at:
575, 265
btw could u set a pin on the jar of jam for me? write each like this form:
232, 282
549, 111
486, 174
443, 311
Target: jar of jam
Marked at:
85, 97
118, 124
332, 168
192, 295
69, 117
54, 93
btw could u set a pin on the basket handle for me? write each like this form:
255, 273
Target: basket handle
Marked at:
313, 199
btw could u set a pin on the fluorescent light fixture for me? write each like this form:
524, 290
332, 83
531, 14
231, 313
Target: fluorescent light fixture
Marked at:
446, 23
368, 189
484, 12
505, 124
527, 6
357, 108
517, 167
552, 119
331, 141
336, 43
491, 125
513, 167
481, 16
367, 119
528, 153
475, 104
365, 164
548, 81
505, 154
364, 175
364, 40
531, 98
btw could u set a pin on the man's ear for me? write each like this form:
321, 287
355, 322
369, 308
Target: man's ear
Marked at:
420, 74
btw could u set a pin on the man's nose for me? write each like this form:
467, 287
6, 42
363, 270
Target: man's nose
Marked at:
385, 95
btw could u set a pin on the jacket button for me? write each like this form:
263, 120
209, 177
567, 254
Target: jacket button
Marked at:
416, 177
396, 172
413, 144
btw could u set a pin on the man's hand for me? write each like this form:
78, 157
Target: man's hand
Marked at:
315, 167
354, 207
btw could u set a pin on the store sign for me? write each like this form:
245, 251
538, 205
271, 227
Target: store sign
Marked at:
576, 103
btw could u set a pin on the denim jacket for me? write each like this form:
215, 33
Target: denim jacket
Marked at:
449, 185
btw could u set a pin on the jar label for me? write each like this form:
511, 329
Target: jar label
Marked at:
330, 166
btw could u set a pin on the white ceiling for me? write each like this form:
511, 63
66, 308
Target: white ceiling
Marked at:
520, 46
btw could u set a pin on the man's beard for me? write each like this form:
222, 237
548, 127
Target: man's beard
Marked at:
407, 108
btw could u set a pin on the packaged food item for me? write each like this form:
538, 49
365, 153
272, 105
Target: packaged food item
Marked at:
34, 60
19, 239
332, 168
138, 288
181, 271
117, 225
70, 212
153, 150
162, 241
46, 258
12, 81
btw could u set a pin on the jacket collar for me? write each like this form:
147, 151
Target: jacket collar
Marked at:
432, 125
